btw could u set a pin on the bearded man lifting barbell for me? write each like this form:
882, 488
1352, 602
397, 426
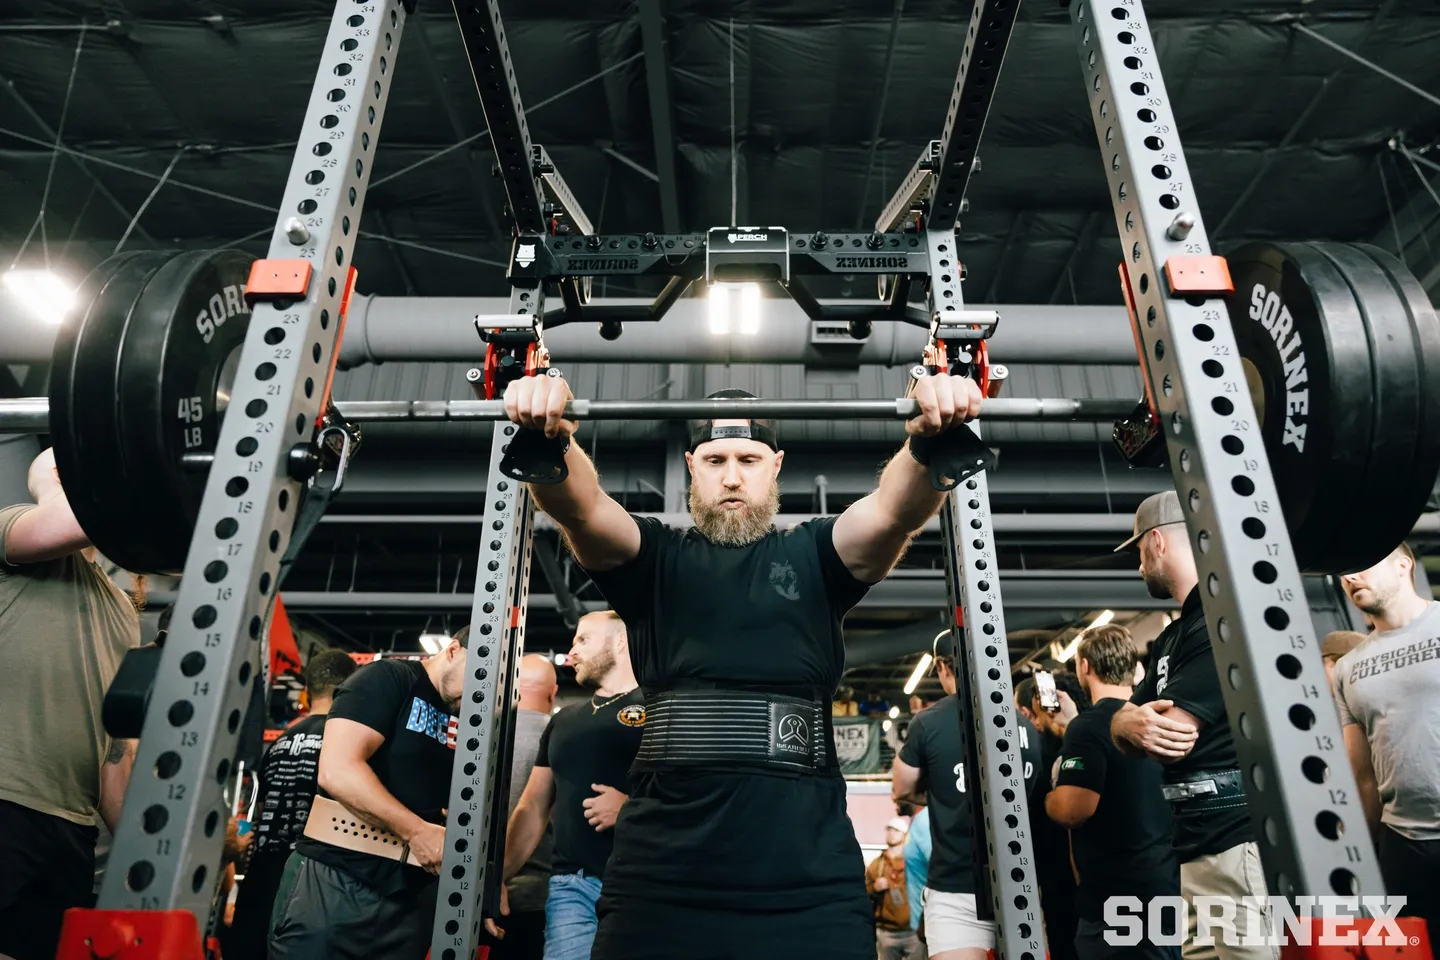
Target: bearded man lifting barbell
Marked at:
735, 627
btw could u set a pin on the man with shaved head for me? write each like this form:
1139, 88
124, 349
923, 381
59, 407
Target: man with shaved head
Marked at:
577, 783
735, 838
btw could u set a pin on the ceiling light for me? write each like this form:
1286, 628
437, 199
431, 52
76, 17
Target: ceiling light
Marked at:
433, 643
894, 712
1065, 655
559, 659
920, 668
42, 293
886, 726
732, 306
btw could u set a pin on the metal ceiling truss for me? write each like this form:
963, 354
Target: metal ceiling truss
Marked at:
167, 852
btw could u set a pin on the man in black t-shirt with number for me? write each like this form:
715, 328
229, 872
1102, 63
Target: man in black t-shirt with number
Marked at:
1177, 717
288, 782
386, 758
932, 763
1119, 821
735, 839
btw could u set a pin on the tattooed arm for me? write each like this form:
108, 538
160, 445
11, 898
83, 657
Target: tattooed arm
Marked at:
114, 778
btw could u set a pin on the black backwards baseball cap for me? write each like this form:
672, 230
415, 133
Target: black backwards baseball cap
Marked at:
703, 431
944, 646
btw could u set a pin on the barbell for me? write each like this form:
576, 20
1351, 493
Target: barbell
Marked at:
141, 374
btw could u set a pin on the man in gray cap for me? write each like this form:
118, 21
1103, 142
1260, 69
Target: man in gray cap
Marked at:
1176, 716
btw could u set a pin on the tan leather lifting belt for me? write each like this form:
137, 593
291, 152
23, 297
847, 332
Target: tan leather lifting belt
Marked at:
334, 823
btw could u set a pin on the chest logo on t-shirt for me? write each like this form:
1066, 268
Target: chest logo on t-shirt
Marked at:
426, 719
632, 715
1162, 674
784, 580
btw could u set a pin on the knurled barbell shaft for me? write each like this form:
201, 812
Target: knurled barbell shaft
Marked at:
31, 415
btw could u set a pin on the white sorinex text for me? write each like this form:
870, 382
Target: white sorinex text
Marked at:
1304, 921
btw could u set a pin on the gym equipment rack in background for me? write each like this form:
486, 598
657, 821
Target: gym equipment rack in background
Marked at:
165, 860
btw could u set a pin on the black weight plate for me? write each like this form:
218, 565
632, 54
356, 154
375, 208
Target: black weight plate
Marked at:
1425, 328
190, 321
88, 445
1369, 523
1307, 359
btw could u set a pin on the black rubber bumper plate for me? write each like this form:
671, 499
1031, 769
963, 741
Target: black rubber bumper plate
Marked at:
84, 404
175, 375
1306, 353
141, 378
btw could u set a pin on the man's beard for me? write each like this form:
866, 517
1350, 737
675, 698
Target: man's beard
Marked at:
1161, 587
1379, 605
734, 528
594, 668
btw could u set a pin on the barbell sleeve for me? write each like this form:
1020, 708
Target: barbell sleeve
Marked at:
31, 415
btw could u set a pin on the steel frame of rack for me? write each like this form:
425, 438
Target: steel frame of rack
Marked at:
167, 849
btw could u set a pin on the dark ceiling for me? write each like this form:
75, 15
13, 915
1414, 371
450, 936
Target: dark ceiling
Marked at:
184, 111
1286, 138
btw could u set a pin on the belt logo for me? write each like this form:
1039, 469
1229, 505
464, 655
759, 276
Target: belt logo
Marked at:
793, 733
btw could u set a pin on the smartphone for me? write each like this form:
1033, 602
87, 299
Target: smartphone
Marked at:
1045, 686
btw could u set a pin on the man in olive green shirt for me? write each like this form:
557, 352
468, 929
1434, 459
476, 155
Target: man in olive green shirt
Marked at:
64, 627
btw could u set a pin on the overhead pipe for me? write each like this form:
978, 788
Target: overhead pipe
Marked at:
441, 330
381, 329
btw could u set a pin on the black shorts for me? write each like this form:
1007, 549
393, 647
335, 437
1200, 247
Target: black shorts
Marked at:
1411, 869
248, 936
47, 866
636, 929
333, 915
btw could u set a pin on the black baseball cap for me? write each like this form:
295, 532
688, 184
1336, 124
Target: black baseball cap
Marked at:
945, 646
703, 431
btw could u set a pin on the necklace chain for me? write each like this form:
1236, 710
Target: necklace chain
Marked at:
595, 707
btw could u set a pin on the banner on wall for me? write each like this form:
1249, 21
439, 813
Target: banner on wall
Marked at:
857, 744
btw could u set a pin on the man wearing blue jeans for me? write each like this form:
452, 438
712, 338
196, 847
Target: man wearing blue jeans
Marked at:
583, 760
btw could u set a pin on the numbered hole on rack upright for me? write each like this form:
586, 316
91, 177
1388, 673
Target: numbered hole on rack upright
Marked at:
140, 875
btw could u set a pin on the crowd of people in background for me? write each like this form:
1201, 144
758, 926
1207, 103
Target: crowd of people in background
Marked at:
1131, 774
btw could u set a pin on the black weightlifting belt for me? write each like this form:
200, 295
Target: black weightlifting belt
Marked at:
729, 729
1205, 790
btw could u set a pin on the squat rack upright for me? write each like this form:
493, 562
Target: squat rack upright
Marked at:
165, 860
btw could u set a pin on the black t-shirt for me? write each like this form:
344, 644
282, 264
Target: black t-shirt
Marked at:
1182, 669
935, 747
396, 699
1124, 849
288, 775
763, 615
584, 746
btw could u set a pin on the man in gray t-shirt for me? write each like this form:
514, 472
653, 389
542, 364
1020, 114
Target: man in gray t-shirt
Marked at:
1387, 690
527, 890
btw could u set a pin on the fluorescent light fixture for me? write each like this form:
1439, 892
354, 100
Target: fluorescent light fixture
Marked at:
433, 643
1068, 653
749, 309
920, 668
734, 306
720, 309
894, 712
559, 659
42, 293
